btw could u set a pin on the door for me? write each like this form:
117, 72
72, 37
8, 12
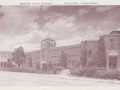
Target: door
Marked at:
113, 62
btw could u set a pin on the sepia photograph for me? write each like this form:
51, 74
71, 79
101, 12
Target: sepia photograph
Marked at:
59, 45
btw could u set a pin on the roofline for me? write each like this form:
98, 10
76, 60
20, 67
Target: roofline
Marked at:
111, 35
6, 51
47, 38
33, 51
65, 46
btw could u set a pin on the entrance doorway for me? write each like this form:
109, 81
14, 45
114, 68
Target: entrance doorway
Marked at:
112, 62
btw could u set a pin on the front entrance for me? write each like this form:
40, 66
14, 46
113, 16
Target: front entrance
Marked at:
112, 62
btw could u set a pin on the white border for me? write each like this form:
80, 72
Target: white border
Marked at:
60, 2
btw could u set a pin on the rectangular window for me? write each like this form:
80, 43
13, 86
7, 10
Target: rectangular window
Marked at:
51, 57
90, 53
57, 57
4, 63
1, 63
68, 56
69, 61
111, 44
1, 55
4, 55
76, 56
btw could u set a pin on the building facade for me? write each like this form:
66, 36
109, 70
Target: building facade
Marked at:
49, 53
5, 57
33, 58
112, 44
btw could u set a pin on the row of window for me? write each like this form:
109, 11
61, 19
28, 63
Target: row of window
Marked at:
51, 45
75, 56
112, 44
3, 63
35, 55
55, 64
35, 59
71, 50
55, 57
73, 61
67, 50
56, 51
35, 62
44, 44
3, 55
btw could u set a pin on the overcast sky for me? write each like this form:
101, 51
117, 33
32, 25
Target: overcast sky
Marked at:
28, 25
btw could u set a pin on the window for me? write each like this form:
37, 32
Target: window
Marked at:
112, 44
1, 55
4, 55
4, 63
89, 53
1, 63
76, 56
57, 57
68, 56
49, 44
54, 57
72, 56
43, 57
51, 57
69, 61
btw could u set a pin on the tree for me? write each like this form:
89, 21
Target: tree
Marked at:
30, 62
93, 61
101, 59
1, 13
63, 59
83, 58
19, 56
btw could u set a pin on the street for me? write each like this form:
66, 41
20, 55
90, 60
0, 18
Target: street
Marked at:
12, 79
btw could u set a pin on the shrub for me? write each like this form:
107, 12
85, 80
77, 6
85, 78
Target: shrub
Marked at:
9, 65
96, 72
108, 74
80, 72
59, 68
90, 71
113, 73
102, 74
54, 71
72, 72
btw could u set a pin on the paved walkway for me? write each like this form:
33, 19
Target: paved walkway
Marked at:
37, 80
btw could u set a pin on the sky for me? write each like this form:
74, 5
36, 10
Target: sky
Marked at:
67, 25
